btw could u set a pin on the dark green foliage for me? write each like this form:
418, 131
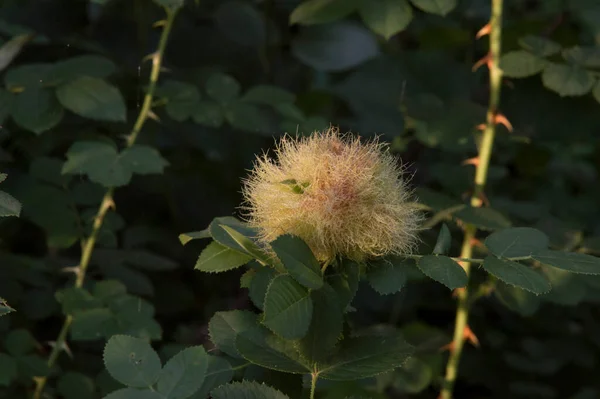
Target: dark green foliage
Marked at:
236, 74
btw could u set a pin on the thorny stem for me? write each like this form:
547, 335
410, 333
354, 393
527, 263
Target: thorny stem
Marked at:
485, 152
108, 202
157, 58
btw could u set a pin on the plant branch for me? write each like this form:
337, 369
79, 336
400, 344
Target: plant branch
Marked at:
481, 172
470, 260
313, 384
107, 203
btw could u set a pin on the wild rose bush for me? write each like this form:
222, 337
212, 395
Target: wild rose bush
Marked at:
395, 204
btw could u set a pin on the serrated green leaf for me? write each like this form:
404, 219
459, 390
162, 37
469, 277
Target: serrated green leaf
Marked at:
516, 274
444, 240
182, 99
516, 242
133, 316
8, 369
224, 327
216, 258
584, 56
247, 390
142, 160
322, 11
298, 260
386, 17
439, 7
520, 64
20, 342
108, 289
268, 95
247, 117
258, 286
288, 308
104, 165
539, 45
136, 282
222, 87
443, 270
388, 275
93, 98
184, 238
326, 325
132, 393
247, 244
131, 361
98, 161
570, 261
74, 300
92, 324
37, 110
261, 347
27, 76
73, 385
246, 278
183, 374
366, 356
567, 79
208, 113
224, 238
9, 206
94, 66
483, 218
219, 372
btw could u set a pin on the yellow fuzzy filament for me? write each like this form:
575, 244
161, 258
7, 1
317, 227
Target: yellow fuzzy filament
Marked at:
342, 196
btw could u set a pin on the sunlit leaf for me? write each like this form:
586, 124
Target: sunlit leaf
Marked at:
386, 17
567, 79
443, 270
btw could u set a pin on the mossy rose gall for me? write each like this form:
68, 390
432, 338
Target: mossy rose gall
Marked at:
343, 196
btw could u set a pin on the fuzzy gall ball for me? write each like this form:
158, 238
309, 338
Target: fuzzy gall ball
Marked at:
341, 195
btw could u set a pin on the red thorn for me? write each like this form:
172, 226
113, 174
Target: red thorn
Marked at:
476, 242
448, 347
502, 120
487, 28
470, 336
487, 59
471, 161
